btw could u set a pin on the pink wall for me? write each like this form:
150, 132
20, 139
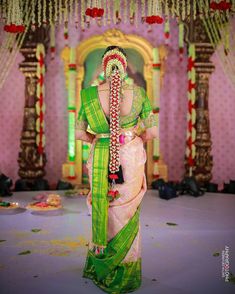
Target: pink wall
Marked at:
172, 116
222, 123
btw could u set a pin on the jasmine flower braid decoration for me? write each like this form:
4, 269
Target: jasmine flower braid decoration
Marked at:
114, 63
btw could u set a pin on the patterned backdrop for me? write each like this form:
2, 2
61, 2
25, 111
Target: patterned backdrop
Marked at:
173, 103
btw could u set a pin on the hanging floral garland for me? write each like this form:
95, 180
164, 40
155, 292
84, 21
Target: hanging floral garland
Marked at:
40, 105
191, 116
132, 11
181, 40
154, 13
151, 11
222, 5
52, 41
14, 18
167, 31
11, 43
95, 11
156, 95
72, 113
66, 33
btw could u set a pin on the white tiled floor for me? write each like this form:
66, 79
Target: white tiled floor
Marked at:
175, 259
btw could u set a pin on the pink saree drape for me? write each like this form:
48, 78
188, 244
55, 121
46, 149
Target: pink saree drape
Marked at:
133, 158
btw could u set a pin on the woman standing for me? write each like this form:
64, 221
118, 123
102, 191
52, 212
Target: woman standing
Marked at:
116, 173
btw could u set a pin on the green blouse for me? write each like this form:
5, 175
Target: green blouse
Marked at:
141, 109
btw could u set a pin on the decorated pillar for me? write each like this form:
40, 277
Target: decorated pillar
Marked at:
32, 158
202, 162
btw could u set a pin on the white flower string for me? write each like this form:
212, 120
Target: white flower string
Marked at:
39, 13
83, 15
60, 12
142, 10
56, 12
136, 14
108, 12
104, 5
71, 11
50, 13
76, 15
44, 21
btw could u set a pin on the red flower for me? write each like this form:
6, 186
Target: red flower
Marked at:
222, 5
190, 86
190, 63
12, 28
154, 19
190, 106
113, 177
190, 141
167, 35
181, 50
88, 12
213, 5
94, 12
100, 12
190, 161
40, 149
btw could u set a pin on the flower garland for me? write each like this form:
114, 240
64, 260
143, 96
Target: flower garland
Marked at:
83, 15
44, 15
114, 162
60, 11
72, 113
167, 31
191, 116
52, 41
112, 58
156, 94
10, 44
14, 18
151, 11
222, 5
40, 105
154, 13
95, 11
114, 63
66, 33
181, 40
56, 12
132, 11
33, 25
71, 4
76, 17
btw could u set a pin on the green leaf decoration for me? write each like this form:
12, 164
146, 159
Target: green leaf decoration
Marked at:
2, 240
35, 230
216, 254
231, 278
172, 224
24, 252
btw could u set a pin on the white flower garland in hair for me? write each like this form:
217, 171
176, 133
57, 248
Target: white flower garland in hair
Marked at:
114, 61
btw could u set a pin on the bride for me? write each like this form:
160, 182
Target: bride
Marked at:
116, 173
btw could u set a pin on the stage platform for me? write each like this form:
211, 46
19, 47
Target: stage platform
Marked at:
176, 259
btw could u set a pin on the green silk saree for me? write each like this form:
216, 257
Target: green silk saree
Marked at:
116, 266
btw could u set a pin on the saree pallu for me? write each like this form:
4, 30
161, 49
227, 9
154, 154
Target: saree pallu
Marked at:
118, 270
